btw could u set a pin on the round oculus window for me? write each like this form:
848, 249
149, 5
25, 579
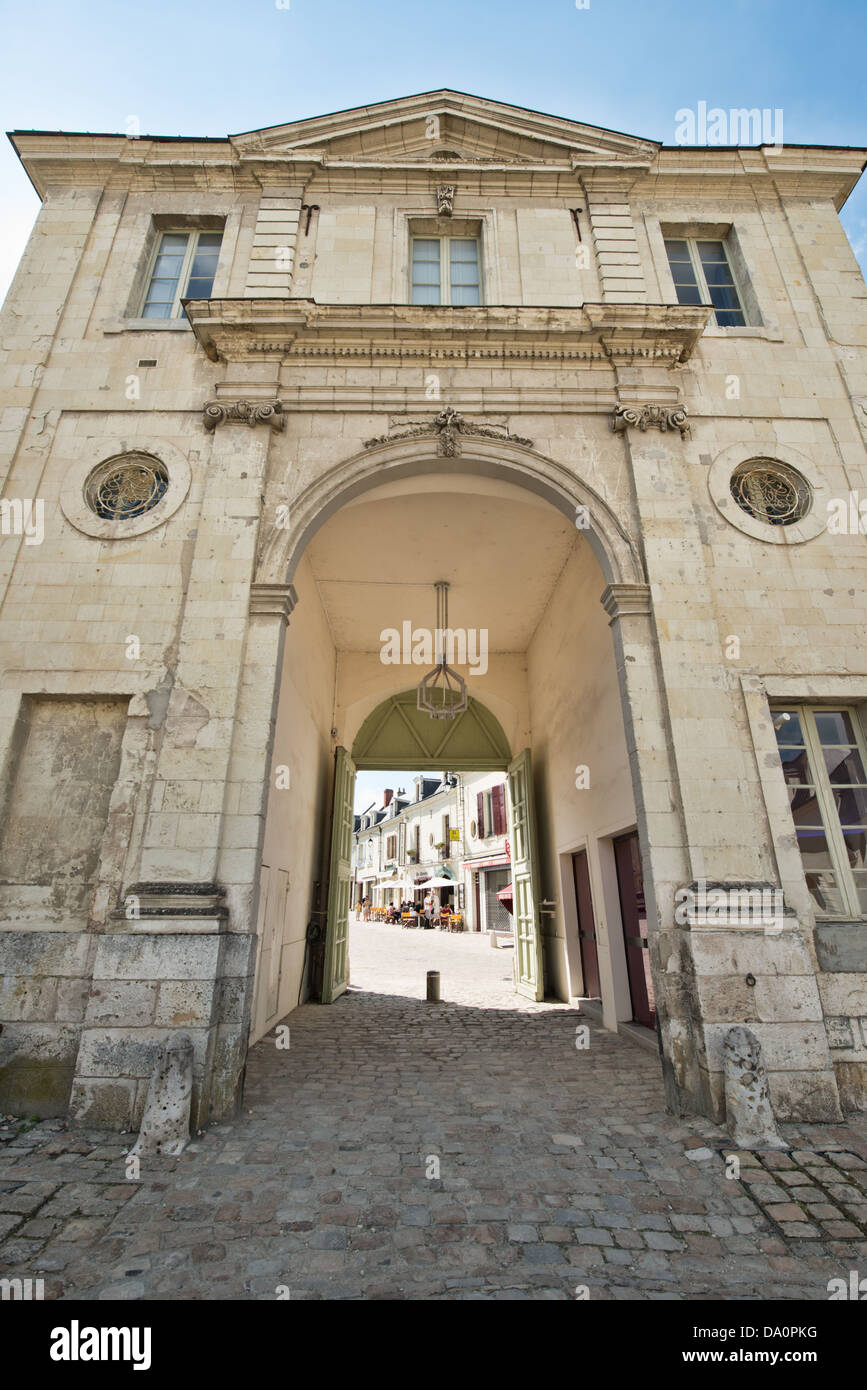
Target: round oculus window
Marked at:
772, 492
126, 486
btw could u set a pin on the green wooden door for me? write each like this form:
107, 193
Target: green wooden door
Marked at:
335, 975
525, 893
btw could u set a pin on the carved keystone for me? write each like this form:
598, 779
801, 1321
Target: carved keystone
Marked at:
165, 1126
749, 1113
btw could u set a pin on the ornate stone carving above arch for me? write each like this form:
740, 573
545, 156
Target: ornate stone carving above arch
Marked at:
283, 546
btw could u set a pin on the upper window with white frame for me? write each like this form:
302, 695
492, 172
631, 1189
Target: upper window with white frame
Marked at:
446, 270
184, 267
824, 759
702, 274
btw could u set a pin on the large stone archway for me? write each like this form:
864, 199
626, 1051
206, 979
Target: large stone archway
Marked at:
216, 917
507, 462
627, 602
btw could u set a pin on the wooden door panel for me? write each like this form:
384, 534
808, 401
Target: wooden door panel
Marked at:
630, 883
335, 976
587, 944
525, 895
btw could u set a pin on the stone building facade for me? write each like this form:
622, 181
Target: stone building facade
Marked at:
452, 826
584, 366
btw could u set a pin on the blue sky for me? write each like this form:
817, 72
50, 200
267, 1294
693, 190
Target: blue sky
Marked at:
211, 68
370, 785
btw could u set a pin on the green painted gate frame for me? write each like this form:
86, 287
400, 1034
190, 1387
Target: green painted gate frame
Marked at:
398, 735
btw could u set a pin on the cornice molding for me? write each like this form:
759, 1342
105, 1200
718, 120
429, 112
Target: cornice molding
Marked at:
177, 906
273, 600
554, 152
627, 601
231, 329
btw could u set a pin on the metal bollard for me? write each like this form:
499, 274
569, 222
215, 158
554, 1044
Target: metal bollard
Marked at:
433, 986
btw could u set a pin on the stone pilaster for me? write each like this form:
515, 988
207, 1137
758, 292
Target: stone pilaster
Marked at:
184, 828
249, 765
662, 839
717, 807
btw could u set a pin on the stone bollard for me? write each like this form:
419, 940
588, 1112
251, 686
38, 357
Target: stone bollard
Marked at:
749, 1113
433, 986
165, 1126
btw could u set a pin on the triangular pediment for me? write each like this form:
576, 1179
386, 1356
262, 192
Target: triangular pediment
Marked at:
445, 129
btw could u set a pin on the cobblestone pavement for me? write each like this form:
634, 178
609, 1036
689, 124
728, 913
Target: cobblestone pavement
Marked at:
558, 1168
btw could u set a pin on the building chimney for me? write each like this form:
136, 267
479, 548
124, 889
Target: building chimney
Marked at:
387, 795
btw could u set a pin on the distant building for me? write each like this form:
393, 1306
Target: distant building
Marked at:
452, 827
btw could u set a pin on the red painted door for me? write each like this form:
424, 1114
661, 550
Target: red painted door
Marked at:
586, 926
630, 883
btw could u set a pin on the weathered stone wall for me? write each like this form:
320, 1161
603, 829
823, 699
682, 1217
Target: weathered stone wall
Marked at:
301, 774
63, 765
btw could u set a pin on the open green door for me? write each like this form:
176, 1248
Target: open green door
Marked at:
335, 975
525, 893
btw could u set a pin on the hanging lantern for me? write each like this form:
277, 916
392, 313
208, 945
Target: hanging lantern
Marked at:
442, 693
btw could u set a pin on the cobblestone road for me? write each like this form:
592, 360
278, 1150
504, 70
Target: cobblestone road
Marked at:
558, 1168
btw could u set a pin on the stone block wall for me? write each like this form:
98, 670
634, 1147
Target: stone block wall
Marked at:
145, 985
842, 957
44, 988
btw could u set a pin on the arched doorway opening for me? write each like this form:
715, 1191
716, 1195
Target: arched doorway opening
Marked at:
399, 735
363, 550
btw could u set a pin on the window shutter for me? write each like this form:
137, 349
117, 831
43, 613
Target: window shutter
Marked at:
480, 814
498, 801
